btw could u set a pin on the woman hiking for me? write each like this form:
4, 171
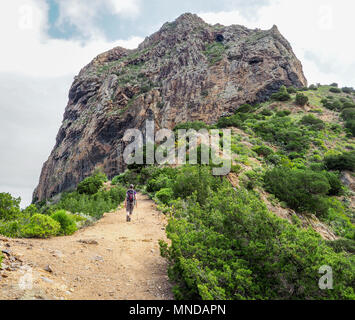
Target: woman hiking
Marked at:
131, 200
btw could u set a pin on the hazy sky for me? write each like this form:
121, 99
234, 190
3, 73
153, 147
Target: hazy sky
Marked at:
45, 43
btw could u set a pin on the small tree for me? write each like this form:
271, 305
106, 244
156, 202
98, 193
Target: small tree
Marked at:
282, 95
9, 206
291, 90
301, 99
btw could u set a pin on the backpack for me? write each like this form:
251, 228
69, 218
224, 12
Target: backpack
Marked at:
130, 195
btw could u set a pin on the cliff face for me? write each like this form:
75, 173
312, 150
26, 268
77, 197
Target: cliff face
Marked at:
187, 71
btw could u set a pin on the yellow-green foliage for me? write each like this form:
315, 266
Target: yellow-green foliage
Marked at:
41, 226
67, 222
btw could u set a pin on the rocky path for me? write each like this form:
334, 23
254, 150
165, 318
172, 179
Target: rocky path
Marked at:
112, 259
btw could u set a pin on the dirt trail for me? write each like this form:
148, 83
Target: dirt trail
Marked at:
119, 261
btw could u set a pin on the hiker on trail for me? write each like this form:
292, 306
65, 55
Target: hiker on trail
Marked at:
131, 200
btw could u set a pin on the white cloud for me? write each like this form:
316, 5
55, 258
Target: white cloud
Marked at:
319, 32
35, 76
82, 13
27, 49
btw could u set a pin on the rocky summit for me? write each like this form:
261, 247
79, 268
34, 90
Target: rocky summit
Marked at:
187, 71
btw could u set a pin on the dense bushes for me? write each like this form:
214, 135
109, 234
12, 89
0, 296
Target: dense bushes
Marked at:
91, 185
66, 221
245, 108
284, 132
291, 90
9, 206
282, 95
165, 195
341, 162
95, 205
348, 90
263, 150
232, 247
233, 121
301, 99
313, 122
41, 226
335, 90
348, 115
302, 190
63, 218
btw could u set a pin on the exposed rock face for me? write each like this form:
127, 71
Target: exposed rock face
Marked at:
188, 70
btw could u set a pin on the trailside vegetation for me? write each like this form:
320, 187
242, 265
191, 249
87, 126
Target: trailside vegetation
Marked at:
74, 210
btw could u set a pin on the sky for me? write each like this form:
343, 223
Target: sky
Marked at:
45, 43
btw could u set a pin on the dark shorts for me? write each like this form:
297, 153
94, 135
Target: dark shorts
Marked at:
130, 207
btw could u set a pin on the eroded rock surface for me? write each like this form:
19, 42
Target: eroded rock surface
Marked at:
188, 70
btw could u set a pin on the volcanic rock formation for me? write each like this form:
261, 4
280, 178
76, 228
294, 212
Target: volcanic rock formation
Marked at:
187, 71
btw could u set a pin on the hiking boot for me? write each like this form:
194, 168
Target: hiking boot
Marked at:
128, 219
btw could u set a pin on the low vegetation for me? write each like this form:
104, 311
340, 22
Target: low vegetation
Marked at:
74, 210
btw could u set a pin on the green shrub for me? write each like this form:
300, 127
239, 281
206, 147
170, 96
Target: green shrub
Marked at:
303, 89
336, 186
233, 248
165, 195
340, 245
350, 125
335, 90
291, 90
312, 121
340, 162
348, 90
302, 190
94, 205
282, 95
117, 194
274, 159
348, 114
10, 228
301, 99
348, 105
313, 87
129, 177
118, 179
67, 222
267, 113
30, 210
316, 166
160, 182
99, 175
284, 132
283, 113
90, 185
194, 179
245, 108
263, 150
332, 104
233, 121
41, 226
236, 168
9, 206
